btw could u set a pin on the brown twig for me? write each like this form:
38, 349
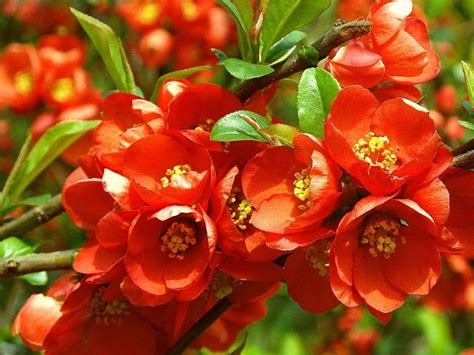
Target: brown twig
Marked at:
21, 265
33, 218
200, 326
339, 34
464, 160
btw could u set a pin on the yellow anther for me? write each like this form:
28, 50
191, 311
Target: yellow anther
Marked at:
107, 312
301, 188
62, 89
380, 235
375, 151
23, 82
318, 257
175, 171
223, 285
240, 209
190, 10
178, 238
206, 126
149, 13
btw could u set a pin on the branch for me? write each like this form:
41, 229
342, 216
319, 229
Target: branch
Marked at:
33, 218
200, 326
464, 160
21, 265
339, 34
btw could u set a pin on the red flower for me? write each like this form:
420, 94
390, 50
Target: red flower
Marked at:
61, 51
306, 274
397, 49
445, 99
170, 250
126, 118
167, 170
291, 190
142, 15
20, 77
382, 146
385, 249
155, 48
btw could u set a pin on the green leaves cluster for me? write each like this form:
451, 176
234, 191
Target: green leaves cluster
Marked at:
268, 34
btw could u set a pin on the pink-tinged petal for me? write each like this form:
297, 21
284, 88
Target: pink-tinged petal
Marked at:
415, 266
372, 284
388, 19
119, 188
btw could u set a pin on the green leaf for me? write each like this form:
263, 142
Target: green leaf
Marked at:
179, 74
110, 48
285, 16
243, 22
234, 127
220, 55
316, 92
244, 70
12, 247
36, 200
283, 132
284, 47
469, 77
466, 124
51, 144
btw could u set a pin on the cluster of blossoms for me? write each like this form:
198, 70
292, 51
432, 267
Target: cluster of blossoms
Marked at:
177, 222
50, 79
180, 31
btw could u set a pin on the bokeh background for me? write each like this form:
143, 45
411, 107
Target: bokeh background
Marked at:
441, 324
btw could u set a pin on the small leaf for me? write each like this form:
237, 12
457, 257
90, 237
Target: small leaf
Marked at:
51, 144
35, 200
243, 22
466, 124
220, 55
316, 92
110, 49
244, 70
285, 16
14, 247
469, 77
283, 132
240, 348
285, 46
36, 278
234, 127
179, 74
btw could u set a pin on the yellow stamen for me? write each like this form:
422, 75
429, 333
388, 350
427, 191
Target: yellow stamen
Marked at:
23, 82
62, 89
178, 238
380, 235
318, 257
301, 188
223, 285
149, 13
375, 151
190, 10
206, 126
108, 312
240, 209
175, 171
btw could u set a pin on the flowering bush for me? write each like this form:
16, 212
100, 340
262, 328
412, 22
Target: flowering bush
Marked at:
197, 200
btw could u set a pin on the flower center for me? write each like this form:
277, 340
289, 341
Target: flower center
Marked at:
108, 312
375, 151
206, 126
175, 171
380, 235
223, 285
148, 13
318, 257
23, 82
62, 89
240, 209
301, 186
178, 238
190, 10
